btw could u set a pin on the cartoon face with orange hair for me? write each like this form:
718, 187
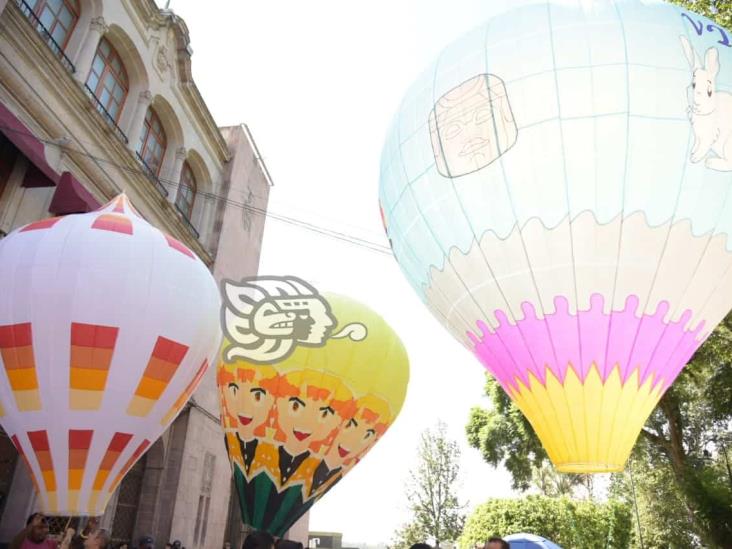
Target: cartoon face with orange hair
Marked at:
360, 433
249, 396
309, 407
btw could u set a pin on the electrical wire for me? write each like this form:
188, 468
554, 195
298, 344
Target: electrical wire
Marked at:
318, 229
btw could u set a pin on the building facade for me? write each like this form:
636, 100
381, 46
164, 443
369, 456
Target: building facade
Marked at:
97, 98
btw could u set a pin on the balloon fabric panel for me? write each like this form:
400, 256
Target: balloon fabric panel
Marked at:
295, 427
556, 188
106, 328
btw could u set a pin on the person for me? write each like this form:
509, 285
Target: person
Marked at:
34, 535
258, 540
288, 544
97, 539
497, 543
168, 545
421, 546
146, 542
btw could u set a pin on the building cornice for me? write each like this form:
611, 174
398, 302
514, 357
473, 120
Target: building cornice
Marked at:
100, 172
155, 18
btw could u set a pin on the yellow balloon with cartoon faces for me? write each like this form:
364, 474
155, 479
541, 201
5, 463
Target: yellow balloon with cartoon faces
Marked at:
295, 425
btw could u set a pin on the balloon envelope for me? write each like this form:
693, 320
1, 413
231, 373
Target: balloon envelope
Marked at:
106, 327
530, 541
296, 427
556, 188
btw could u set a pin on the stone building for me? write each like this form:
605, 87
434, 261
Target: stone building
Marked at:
96, 98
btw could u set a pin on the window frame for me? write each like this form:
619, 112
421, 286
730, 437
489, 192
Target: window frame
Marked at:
108, 69
188, 181
73, 7
149, 135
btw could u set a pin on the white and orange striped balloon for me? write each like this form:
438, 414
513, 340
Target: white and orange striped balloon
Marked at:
106, 327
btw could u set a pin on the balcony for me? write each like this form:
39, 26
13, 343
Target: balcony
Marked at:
186, 221
108, 118
151, 175
46, 35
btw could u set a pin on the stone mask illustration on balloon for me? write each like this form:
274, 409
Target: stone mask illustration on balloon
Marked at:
471, 126
296, 425
265, 318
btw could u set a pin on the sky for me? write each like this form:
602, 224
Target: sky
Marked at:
318, 83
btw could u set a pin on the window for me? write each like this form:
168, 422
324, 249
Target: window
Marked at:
108, 79
58, 17
204, 500
186, 191
152, 142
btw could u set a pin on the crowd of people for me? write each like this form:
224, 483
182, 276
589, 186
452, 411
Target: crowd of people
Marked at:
35, 535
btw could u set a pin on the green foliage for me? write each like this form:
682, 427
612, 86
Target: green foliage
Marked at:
408, 535
718, 10
571, 524
437, 513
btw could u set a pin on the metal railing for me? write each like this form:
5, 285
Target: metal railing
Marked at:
108, 118
46, 35
186, 221
151, 175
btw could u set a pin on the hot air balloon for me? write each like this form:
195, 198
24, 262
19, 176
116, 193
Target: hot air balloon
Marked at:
106, 327
556, 188
297, 420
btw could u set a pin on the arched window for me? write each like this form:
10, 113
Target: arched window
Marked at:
152, 142
58, 16
186, 191
108, 79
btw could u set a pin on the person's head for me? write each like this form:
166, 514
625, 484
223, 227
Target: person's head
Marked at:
258, 540
497, 543
421, 546
177, 544
146, 542
99, 539
288, 544
37, 524
123, 545
227, 545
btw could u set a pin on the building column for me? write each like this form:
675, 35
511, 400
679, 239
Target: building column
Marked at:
3, 3
97, 29
133, 135
175, 173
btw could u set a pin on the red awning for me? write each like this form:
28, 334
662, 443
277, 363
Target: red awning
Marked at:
29, 145
71, 197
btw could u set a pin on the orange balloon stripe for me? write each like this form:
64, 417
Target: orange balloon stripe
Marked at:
116, 446
39, 443
16, 350
128, 465
113, 222
173, 243
164, 362
43, 224
92, 348
79, 444
183, 398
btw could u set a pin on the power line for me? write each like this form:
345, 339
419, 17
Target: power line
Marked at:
324, 231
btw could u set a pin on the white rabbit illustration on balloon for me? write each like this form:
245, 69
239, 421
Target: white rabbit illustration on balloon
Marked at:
710, 111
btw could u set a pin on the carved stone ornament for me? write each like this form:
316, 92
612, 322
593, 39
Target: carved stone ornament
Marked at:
161, 59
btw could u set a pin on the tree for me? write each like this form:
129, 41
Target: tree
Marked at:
408, 535
687, 435
431, 492
571, 524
